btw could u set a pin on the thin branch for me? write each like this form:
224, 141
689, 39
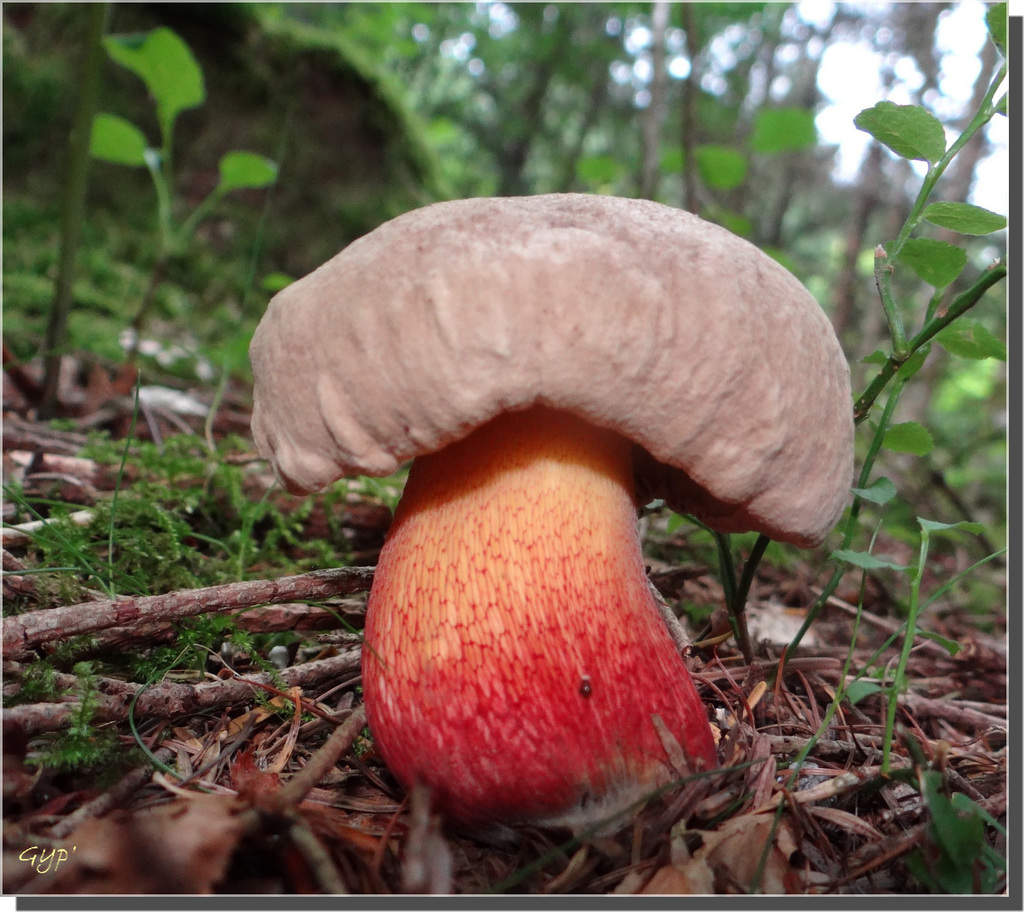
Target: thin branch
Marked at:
321, 763
114, 797
170, 699
28, 630
961, 304
73, 206
883, 282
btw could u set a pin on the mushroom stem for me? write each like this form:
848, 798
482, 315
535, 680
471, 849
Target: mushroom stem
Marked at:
515, 661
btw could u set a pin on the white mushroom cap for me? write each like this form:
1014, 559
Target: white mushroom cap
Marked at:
691, 342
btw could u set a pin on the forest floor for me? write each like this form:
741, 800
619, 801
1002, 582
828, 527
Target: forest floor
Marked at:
246, 776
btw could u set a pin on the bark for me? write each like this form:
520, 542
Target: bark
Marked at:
513, 157
653, 116
168, 700
688, 120
849, 285
37, 627
597, 98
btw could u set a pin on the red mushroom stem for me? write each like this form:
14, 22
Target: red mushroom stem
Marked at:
514, 660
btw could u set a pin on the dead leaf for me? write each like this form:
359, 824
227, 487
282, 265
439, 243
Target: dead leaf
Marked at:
696, 879
250, 781
183, 846
730, 858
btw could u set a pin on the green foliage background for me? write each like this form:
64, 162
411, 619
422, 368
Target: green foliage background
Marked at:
371, 109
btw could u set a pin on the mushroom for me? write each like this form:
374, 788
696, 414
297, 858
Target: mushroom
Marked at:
548, 362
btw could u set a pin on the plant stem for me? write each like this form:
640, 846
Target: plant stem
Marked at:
852, 518
753, 559
908, 642
725, 566
737, 609
156, 278
985, 113
73, 207
883, 282
736, 593
108, 583
959, 306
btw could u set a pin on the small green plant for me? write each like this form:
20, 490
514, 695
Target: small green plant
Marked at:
83, 743
909, 630
914, 133
956, 858
187, 519
175, 82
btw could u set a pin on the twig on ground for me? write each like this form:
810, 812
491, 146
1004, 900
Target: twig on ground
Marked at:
675, 627
322, 866
170, 699
874, 854
824, 748
24, 532
37, 627
882, 623
106, 801
342, 738
22, 434
955, 712
823, 791
264, 619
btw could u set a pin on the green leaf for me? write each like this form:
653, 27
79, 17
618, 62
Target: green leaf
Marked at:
166, 65
275, 281
736, 223
720, 167
880, 491
995, 19
675, 521
442, 131
908, 437
672, 160
960, 835
936, 262
245, 170
866, 561
782, 258
931, 525
970, 339
878, 357
964, 217
783, 129
909, 130
598, 169
951, 646
858, 690
964, 805
117, 140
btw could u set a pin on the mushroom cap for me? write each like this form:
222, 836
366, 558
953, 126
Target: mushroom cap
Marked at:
706, 353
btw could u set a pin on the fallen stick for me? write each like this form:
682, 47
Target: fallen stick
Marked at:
106, 801
24, 532
170, 699
955, 712
36, 627
321, 763
264, 619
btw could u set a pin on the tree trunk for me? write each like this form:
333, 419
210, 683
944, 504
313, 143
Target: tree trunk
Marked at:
652, 118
